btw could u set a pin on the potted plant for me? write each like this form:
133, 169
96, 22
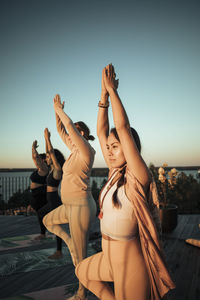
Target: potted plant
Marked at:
166, 190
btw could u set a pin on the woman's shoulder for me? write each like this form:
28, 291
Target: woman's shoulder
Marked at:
131, 176
91, 149
136, 188
134, 185
88, 155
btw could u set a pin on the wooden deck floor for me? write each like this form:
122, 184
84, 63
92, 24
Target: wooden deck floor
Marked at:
183, 260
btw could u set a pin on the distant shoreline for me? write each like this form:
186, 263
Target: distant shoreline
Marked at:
17, 169
95, 169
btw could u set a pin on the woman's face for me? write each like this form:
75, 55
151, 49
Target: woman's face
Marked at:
115, 153
44, 161
48, 159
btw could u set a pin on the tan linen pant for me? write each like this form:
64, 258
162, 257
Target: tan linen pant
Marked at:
79, 218
121, 262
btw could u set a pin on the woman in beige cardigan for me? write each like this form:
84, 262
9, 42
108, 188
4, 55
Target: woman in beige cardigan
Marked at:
131, 255
78, 207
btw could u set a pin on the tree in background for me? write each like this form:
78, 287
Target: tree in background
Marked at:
20, 199
187, 194
186, 191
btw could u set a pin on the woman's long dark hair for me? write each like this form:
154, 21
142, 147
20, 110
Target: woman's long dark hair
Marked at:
134, 135
42, 156
121, 173
83, 127
60, 157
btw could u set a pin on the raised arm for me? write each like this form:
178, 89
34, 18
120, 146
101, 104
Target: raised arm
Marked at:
57, 168
38, 161
74, 136
103, 121
133, 158
60, 127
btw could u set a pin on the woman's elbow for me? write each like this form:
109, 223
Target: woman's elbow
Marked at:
122, 127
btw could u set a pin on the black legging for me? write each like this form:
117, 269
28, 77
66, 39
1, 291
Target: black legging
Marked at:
53, 201
38, 200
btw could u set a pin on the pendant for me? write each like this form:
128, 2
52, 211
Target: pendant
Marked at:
100, 216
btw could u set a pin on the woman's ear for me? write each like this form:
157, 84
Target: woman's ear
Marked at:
82, 132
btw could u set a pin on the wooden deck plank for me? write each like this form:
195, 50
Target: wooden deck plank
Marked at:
183, 260
23, 283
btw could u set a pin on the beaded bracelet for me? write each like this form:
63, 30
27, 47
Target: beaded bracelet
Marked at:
103, 105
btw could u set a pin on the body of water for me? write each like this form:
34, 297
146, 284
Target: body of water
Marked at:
11, 182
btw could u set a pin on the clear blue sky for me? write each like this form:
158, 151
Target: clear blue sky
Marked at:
50, 47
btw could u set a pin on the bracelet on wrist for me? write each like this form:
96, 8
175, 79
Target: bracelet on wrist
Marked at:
103, 105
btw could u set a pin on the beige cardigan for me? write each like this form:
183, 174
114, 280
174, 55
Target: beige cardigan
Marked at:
146, 210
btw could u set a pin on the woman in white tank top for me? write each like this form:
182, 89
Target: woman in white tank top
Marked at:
131, 255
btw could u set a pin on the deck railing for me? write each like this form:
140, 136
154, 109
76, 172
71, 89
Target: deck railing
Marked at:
11, 185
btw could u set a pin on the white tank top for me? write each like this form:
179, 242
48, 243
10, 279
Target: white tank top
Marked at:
117, 223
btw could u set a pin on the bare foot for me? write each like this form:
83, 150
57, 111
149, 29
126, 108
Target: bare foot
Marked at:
77, 297
58, 254
193, 242
39, 237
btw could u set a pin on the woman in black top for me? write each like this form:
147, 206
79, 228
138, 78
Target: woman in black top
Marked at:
55, 161
38, 186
